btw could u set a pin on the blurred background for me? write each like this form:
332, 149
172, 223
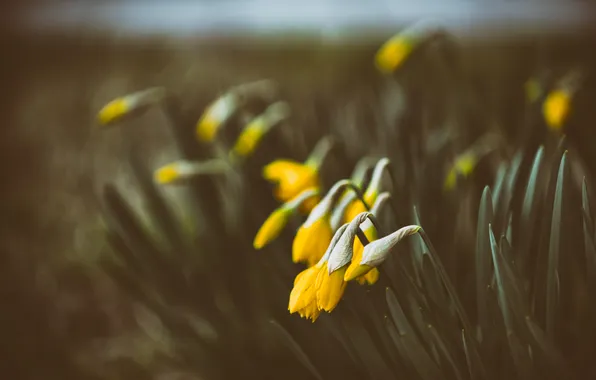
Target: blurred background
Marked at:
62, 315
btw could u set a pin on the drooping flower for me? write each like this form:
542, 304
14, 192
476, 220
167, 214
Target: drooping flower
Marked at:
401, 46
278, 219
376, 252
130, 105
371, 234
314, 235
293, 177
304, 295
182, 170
557, 105
370, 195
221, 109
253, 132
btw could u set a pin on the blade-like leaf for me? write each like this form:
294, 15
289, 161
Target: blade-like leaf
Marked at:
552, 296
483, 266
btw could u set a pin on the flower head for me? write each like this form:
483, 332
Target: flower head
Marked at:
251, 135
314, 235
371, 234
557, 105
181, 171
308, 286
303, 297
370, 195
398, 48
220, 110
129, 105
556, 108
278, 219
293, 177
377, 251
341, 254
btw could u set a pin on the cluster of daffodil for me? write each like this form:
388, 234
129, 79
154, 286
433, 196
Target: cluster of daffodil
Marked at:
325, 241
214, 118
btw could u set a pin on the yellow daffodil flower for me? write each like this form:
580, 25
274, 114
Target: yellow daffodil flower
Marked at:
221, 109
215, 115
556, 109
370, 195
293, 177
463, 166
303, 297
130, 104
398, 48
370, 232
252, 134
278, 219
330, 288
314, 235
183, 170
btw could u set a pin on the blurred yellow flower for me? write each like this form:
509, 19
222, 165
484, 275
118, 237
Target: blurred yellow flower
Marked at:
251, 135
464, 166
132, 103
215, 115
291, 178
278, 219
393, 53
556, 109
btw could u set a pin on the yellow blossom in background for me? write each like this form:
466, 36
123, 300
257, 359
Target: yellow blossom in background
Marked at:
463, 166
252, 134
291, 178
114, 110
182, 170
278, 219
393, 53
249, 138
556, 109
130, 104
215, 115
303, 297
272, 227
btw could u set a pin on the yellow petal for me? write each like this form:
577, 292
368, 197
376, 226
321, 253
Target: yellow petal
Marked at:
330, 288
355, 208
373, 275
291, 178
207, 128
393, 54
556, 109
167, 174
310, 243
249, 138
311, 311
304, 291
113, 111
272, 227
356, 270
